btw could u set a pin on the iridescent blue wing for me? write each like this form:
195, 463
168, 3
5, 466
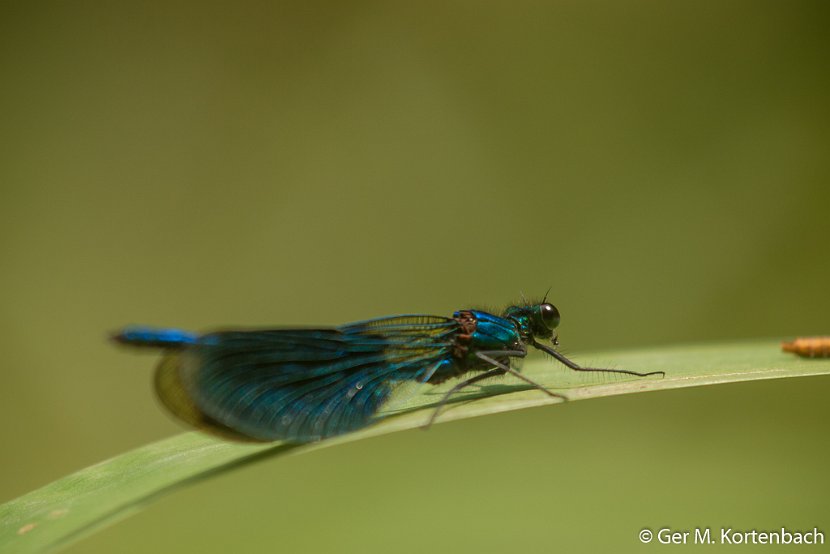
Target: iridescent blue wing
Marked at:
304, 384
174, 396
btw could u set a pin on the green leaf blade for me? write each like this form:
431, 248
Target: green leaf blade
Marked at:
74, 506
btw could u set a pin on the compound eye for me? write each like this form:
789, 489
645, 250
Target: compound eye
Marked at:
550, 316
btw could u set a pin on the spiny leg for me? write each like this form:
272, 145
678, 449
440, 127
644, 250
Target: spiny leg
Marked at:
498, 369
577, 367
441, 403
488, 357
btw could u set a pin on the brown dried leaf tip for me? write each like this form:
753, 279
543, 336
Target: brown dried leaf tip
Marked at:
808, 347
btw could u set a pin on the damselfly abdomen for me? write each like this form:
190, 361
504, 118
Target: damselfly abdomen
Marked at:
301, 385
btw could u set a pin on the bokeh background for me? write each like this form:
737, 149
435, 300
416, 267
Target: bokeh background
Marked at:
663, 166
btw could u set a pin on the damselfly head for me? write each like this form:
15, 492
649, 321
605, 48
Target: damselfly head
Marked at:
535, 320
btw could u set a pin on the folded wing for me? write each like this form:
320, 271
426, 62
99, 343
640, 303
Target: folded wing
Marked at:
300, 385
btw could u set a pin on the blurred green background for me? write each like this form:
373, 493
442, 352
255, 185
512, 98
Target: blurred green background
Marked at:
663, 166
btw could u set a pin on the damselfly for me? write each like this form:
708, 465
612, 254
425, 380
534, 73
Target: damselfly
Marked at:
302, 385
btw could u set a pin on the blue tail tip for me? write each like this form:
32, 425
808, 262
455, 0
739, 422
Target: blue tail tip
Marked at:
136, 335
